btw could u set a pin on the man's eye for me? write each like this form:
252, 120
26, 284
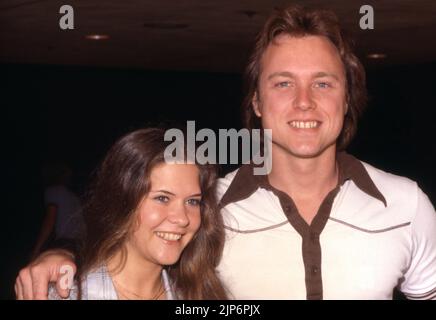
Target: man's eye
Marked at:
163, 199
283, 84
194, 202
322, 85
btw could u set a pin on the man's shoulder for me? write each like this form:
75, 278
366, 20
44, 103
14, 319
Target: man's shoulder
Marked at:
224, 183
398, 191
388, 182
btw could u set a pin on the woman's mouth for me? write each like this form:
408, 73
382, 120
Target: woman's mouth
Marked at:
169, 236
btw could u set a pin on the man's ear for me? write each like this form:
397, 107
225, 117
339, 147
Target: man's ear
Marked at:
255, 103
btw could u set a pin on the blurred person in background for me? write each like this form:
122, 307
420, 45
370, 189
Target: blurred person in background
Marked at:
63, 222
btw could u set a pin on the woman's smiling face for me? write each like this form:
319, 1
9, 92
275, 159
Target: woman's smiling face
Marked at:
168, 215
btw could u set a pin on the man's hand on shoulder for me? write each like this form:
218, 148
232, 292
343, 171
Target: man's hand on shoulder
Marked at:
51, 266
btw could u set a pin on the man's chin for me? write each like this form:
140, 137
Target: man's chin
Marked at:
306, 154
305, 151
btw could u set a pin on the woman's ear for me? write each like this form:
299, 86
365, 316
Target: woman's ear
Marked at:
255, 103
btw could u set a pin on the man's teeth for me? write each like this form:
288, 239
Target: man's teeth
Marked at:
169, 236
304, 124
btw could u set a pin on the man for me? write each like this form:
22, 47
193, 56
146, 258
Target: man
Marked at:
322, 224
63, 211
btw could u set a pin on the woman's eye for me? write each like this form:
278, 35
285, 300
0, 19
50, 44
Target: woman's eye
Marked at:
194, 202
163, 199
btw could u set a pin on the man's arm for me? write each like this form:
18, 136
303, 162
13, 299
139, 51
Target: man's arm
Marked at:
420, 279
32, 281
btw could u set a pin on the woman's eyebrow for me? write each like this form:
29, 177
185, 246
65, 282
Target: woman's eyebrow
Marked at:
173, 194
163, 191
195, 195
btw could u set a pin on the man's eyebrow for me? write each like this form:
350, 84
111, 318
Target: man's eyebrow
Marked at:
325, 74
281, 74
288, 74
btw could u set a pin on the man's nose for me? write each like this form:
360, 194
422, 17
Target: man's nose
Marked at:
303, 98
179, 215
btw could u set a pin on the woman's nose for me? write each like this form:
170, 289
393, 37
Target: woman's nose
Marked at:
178, 215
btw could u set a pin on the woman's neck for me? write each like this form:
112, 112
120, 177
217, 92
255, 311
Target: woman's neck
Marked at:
136, 278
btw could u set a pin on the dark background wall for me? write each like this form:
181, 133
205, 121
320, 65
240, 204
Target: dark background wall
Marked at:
76, 113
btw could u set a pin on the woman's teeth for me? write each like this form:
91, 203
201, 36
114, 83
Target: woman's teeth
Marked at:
304, 124
169, 236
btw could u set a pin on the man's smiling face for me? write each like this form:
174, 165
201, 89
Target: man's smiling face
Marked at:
302, 94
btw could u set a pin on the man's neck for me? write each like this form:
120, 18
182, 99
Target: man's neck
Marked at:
304, 178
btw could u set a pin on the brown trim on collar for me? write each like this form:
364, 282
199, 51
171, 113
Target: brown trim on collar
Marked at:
352, 168
244, 184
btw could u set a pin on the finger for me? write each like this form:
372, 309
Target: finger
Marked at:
18, 289
25, 281
65, 279
40, 279
62, 291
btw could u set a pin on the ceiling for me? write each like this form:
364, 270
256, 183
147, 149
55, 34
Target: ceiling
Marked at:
197, 35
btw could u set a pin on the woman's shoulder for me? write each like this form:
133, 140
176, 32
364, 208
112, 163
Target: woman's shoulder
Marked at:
53, 294
95, 285
98, 285
168, 286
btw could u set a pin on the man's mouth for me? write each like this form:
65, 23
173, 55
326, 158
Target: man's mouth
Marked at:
169, 236
305, 124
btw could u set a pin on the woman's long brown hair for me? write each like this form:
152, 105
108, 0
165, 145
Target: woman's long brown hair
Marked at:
120, 183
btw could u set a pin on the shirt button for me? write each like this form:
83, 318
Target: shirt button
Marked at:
315, 270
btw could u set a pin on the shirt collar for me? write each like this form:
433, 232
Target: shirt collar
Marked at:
245, 183
99, 285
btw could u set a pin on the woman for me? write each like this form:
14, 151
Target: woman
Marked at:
153, 229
